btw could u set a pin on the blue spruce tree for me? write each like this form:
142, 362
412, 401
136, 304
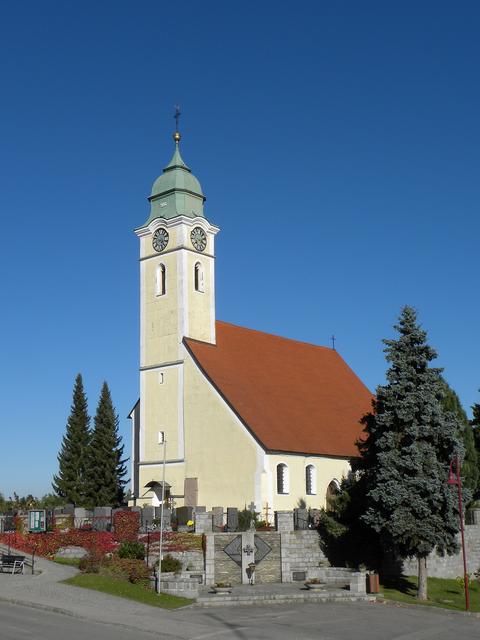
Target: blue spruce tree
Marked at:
410, 441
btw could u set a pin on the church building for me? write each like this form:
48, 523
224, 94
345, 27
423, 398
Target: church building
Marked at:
238, 415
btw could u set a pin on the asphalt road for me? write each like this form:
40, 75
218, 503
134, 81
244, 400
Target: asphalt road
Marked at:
299, 622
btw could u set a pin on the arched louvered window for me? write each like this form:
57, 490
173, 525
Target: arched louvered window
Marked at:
283, 480
160, 280
199, 278
310, 480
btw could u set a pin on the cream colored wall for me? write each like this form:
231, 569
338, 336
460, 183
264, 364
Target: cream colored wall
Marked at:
218, 451
174, 475
160, 312
327, 469
162, 406
201, 313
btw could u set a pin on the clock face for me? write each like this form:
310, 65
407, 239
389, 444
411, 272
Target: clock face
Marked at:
160, 239
199, 238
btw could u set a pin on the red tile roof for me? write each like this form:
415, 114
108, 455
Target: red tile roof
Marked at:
292, 396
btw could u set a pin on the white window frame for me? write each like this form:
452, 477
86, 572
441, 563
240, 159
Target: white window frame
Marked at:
160, 280
199, 277
285, 479
311, 478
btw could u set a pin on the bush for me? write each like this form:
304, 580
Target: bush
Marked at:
127, 525
129, 569
92, 562
171, 564
132, 549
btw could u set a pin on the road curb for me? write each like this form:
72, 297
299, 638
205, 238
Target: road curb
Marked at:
433, 608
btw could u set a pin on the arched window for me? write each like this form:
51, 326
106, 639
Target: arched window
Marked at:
160, 280
310, 480
199, 278
283, 483
333, 489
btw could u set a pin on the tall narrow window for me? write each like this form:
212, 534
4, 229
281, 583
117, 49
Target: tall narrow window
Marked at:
310, 480
282, 478
199, 278
160, 280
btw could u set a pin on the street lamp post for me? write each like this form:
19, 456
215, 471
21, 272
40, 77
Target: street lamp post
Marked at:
164, 442
454, 478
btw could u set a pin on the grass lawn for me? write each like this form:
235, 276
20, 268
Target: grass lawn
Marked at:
71, 562
123, 589
441, 592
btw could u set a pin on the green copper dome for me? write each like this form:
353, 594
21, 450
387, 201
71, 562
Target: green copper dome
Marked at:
177, 192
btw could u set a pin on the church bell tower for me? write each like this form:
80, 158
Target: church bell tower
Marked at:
177, 300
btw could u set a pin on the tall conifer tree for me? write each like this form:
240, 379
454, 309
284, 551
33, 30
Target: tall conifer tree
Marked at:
70, 483
106, 467
409, 443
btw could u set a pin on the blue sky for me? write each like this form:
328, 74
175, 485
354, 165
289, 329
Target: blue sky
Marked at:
338, 146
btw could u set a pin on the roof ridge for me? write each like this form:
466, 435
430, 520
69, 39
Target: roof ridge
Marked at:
275, 335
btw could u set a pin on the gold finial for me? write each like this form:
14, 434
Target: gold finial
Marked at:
176, 135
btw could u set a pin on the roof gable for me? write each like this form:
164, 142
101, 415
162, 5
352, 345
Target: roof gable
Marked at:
293, 396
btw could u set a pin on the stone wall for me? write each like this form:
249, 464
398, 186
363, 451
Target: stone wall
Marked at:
451, 566
226, 570
269, 569
301, 552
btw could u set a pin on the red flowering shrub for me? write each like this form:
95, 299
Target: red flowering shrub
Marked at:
173, 541
126, 525
19, 524
47, 544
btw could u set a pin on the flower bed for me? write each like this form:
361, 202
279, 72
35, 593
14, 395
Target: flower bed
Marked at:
173, 541
48, 544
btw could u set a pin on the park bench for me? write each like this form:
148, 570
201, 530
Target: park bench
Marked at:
12, 564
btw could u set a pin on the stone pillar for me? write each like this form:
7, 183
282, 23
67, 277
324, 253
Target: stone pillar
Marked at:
209, 559
358, 583
248, 554
284, 520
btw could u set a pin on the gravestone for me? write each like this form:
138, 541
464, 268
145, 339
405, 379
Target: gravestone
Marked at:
217, 518
102, 518
148, 514
232, 519
69, 509
300, 518
203, 522
82, 517
184, 514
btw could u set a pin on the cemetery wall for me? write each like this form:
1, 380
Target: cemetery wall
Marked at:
451, 566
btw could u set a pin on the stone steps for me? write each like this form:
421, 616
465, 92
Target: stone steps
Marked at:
303, 595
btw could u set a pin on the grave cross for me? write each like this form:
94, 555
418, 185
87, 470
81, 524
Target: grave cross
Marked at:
248, 549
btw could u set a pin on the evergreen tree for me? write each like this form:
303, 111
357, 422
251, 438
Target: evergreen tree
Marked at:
410, 441
106, 467
72, 458
470, 470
